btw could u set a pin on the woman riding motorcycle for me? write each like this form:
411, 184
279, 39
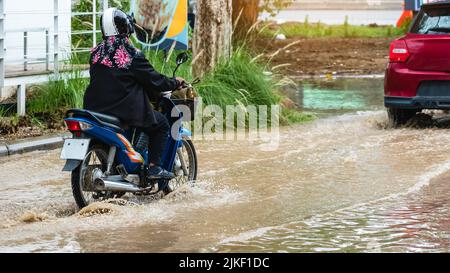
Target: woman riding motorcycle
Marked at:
122, 80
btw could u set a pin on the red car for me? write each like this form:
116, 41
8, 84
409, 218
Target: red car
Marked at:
418, 74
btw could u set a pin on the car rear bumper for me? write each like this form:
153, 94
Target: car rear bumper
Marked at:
417, 102
410, 89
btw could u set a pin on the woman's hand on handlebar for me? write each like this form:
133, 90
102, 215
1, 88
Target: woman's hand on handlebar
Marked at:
181, 83
167, 94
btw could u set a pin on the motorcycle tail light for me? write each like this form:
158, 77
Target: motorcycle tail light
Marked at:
85, 126
77, 126
73, 126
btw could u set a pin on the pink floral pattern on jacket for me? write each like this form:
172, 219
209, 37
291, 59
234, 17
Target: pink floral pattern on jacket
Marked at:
114, 52
122, 58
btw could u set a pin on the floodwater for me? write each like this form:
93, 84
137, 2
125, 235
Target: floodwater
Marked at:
326, 98
343, 183
337, 17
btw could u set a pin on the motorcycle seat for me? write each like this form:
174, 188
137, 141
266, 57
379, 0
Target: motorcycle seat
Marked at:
105, 120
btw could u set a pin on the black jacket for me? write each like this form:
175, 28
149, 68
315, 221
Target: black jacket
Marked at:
125, 93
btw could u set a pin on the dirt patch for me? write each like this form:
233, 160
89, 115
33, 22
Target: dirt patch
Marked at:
10, 131
26, 131
15, 128
319, 56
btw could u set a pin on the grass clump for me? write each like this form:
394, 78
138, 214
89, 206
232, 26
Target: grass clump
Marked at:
48, 103
239, 81
5, 110
316, 30
58, 94
292, 116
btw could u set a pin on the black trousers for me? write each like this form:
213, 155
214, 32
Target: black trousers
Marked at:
158, 135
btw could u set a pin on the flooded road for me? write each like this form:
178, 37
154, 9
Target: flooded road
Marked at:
341, 183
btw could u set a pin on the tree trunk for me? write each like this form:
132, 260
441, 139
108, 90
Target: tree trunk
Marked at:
245, 15
212, 37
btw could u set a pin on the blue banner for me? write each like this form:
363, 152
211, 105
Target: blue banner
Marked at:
161, 24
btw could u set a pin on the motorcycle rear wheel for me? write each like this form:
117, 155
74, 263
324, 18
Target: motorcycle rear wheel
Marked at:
96, 158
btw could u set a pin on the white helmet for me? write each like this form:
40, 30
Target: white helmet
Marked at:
116, 22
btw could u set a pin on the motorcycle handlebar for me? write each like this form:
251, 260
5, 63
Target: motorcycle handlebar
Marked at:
186, 85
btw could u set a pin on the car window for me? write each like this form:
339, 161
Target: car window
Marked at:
433, 21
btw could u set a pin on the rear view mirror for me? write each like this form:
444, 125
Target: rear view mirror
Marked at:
182, 58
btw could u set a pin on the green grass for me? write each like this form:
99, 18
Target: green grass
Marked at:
4, 111
165, 63
290, 116
240, 81
58, 95
345, 30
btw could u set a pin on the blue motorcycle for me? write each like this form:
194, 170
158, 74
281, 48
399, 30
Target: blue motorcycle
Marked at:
109, 161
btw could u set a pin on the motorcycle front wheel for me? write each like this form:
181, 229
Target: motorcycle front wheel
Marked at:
186, 167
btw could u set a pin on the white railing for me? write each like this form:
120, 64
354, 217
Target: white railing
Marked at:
37, 58
95, 17
2, 43
49, 53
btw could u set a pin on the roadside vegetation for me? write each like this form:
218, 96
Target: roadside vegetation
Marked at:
345, 30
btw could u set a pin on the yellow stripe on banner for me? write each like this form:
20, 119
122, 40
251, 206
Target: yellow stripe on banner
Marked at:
179, 20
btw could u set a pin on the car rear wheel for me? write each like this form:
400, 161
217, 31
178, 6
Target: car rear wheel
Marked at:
399, 117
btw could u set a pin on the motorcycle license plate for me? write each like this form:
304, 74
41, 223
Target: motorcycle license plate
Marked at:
75, 149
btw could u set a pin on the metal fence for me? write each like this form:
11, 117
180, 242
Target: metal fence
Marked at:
48, 57
30, 59
46, 52
49, 52
95, 14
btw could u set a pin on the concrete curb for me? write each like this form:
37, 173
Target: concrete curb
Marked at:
3, 150
32, 144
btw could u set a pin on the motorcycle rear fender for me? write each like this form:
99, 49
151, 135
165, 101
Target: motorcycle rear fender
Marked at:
71, 165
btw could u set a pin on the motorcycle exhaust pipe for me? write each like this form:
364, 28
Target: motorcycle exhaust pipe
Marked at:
115, 186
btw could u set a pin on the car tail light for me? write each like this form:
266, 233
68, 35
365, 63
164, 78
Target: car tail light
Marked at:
399, 52
77, 126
